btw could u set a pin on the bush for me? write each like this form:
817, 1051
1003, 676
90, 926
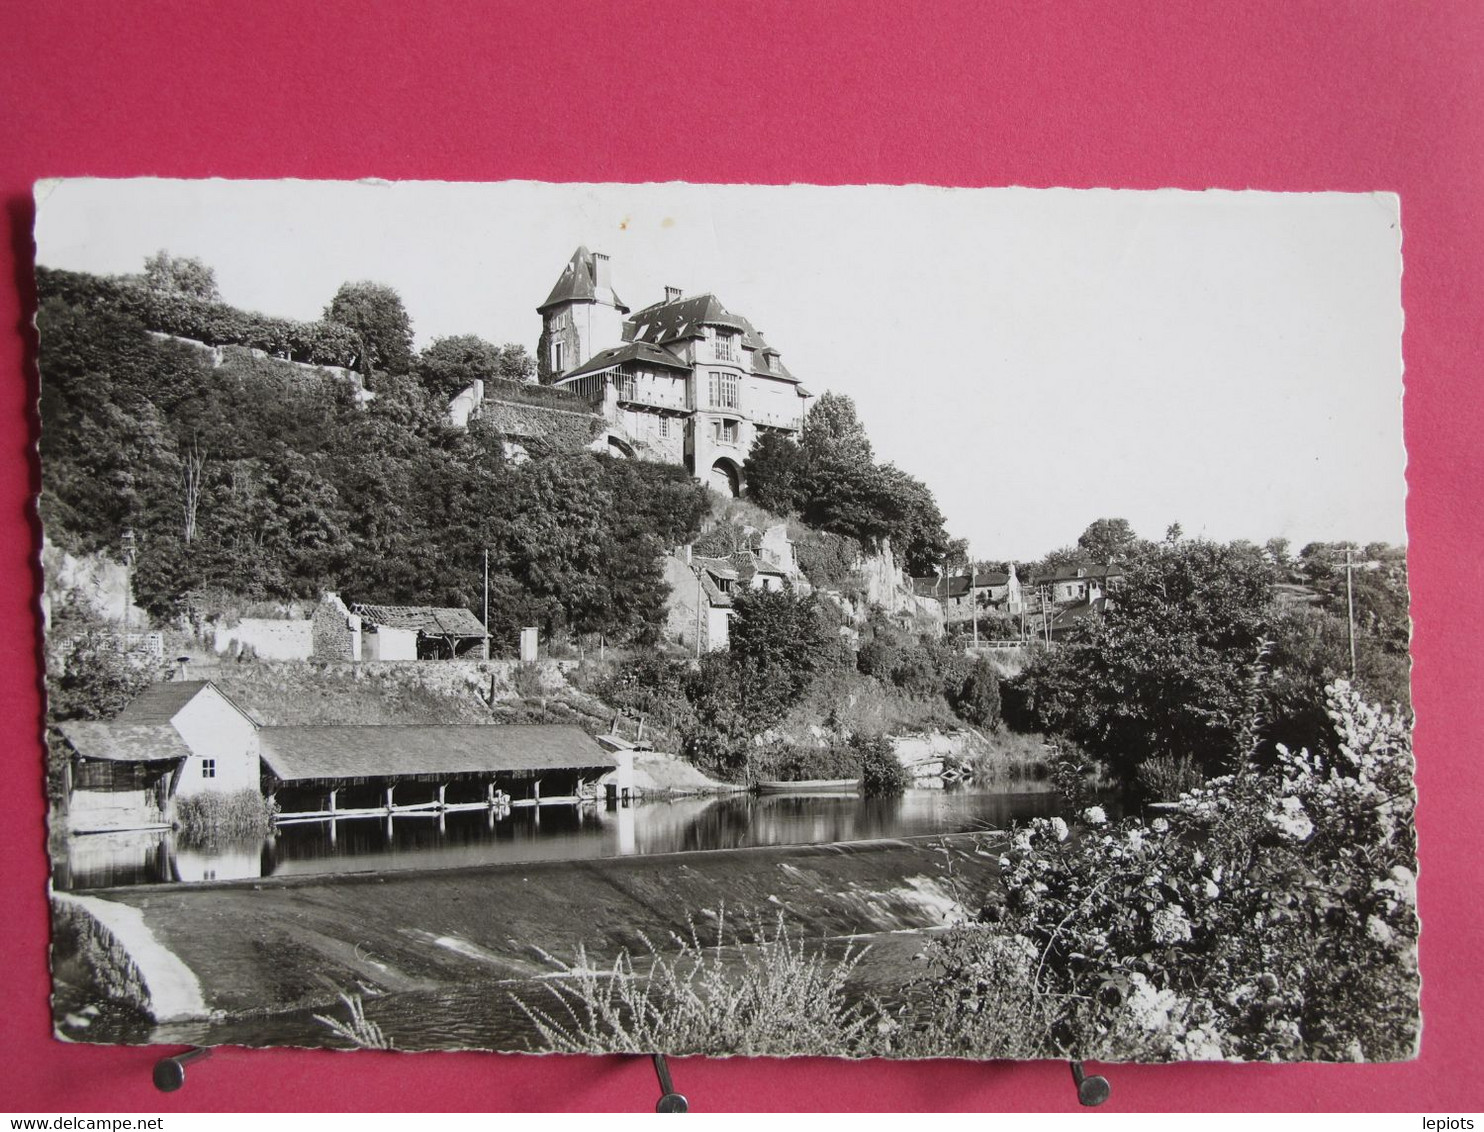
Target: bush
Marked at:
1270, 916
208, 320
1165, 777
211, 818
790, 762
978, 698
882, 774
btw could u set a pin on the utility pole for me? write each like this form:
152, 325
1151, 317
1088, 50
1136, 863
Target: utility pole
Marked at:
1350, 607
700, 612
130, 553
974, 605
486, 603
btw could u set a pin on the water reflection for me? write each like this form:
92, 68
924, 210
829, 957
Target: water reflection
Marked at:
465, 838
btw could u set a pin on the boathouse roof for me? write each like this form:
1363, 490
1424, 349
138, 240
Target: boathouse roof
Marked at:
118, 741
330, 752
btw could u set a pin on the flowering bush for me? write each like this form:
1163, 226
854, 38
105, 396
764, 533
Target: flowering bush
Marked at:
1271, 915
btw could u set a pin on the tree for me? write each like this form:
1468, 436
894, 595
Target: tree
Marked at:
375, 312
180, 275
779, 637
1107, 540
96, 677
833, 434
776, 473
454, 362
1171, 669
978, 698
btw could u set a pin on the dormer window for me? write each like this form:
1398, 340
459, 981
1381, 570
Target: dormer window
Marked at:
772, 363
724, 346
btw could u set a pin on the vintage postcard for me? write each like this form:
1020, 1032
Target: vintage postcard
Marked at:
852, 621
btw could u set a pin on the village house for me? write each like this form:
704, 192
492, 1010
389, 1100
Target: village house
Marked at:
1079, 581
702, 588
684, 381
965, 596
174, 740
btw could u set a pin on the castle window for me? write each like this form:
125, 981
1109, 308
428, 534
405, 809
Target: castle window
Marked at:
724, 352
724, 390
208, 768
665, 427
558, 350
725, 432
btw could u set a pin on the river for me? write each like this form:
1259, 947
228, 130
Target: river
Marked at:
554, 833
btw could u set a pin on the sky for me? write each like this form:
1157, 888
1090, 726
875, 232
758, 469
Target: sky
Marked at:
1230, 361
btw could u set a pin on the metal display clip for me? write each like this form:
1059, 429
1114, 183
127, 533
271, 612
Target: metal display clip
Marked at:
1091, 1091
670, 1100
170, 1072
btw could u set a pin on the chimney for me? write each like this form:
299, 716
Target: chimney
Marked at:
601, 279
672, 293
183, 668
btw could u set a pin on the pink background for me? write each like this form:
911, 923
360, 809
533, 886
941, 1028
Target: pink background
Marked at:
1356, 96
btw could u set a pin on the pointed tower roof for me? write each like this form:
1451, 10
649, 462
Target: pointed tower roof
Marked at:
579, 282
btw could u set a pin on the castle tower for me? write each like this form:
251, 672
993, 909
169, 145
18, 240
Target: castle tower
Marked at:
581, 316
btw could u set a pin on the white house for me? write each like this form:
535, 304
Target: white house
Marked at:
220, 737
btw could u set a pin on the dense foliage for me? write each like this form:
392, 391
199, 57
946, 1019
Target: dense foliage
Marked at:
1205, 645
375, 312
831, 479
186, 313
882, 774
1270, 915
779, 645
269, 481
451, 364
1169, 669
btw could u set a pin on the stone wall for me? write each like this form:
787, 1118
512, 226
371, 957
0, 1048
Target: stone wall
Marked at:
337, 631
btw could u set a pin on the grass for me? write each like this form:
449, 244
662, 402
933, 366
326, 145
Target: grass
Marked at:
768, 996
1009, 758
359, 1031
211, 818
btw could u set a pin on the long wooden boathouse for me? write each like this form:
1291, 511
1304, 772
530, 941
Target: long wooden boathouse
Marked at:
346, 771
185, 738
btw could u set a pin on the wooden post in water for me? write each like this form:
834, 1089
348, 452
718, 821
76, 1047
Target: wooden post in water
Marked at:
443, 795
389, 803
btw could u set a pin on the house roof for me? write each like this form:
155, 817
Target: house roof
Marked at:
679, 319
720, 567
578, 283
957, 585
300, 754
161, 702
436, 621
120, 742
643, 352
1082, 570
1069, 616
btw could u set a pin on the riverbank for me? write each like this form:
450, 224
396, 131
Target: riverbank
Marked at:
282, 948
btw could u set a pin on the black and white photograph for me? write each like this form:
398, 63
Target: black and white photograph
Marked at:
855, 621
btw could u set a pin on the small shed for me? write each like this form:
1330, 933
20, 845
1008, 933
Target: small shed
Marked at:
119, 774
419, 632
